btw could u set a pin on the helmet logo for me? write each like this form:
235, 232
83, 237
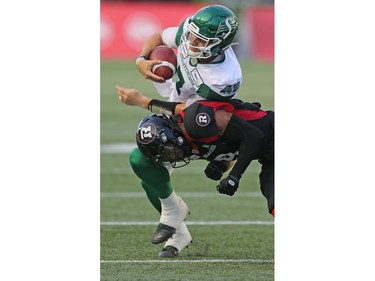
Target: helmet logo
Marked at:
202, 119
226, 27
147, 133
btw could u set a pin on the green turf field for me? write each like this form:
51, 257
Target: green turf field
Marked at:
233, 237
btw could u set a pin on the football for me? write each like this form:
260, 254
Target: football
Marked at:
167, 68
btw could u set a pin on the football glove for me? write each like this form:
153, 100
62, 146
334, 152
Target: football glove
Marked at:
228, 185
215, 170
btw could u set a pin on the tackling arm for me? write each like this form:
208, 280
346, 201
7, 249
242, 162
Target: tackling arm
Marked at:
134, 97
236, 130
250, 141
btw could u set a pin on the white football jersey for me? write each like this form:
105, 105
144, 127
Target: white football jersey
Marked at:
218, 80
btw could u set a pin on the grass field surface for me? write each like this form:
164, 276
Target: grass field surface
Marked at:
233, 237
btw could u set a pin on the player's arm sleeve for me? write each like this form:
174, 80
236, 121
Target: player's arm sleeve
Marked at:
250, 140
169, 36
165, 107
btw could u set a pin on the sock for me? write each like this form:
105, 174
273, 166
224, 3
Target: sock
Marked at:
170, 202
172, 213
181, 238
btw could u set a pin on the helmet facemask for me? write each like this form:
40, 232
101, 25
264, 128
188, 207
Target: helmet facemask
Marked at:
173, 154
204, 50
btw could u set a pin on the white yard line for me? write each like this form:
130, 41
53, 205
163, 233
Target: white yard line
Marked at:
117, 148
135, 223
187, 261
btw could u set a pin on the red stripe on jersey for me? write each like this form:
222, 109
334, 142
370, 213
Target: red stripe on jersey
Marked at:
218, 105
244, 113
249, 114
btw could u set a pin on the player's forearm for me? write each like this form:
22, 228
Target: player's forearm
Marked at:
250, 141
151, 43
136, 98
144, 102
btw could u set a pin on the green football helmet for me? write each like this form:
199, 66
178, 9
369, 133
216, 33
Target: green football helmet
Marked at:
215, 26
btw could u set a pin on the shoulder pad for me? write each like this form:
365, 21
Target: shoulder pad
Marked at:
199, 121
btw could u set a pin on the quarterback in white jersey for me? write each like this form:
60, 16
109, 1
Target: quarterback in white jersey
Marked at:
207, 67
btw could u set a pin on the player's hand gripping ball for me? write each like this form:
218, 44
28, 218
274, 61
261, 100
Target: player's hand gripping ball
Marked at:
167, 68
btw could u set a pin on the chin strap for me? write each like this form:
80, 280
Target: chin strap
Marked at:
230, 45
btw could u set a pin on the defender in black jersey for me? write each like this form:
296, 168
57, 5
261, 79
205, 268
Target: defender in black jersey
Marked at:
219, 132
248, 135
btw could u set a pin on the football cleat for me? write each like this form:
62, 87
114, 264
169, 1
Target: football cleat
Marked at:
179, 241
163, 233
168, 252
173, 211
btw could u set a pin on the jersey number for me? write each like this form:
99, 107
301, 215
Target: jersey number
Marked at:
231, 89
226, 157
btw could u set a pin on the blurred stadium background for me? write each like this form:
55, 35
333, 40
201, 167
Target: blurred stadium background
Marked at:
248, 248
124, 25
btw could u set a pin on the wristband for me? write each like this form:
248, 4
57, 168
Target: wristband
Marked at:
166, 107
140, 58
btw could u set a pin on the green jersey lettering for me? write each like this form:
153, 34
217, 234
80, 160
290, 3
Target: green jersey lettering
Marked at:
180, 80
